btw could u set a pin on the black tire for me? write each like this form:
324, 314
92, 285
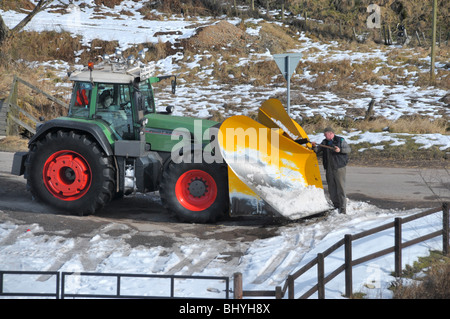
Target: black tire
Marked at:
187, 190
69, 171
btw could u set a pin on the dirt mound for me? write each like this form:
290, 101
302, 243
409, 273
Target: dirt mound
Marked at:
216, 36
276, 39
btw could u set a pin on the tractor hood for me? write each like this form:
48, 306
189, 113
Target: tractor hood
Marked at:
163, 132
171, 122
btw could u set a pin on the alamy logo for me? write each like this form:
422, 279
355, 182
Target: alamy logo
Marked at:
374, 19
238, 144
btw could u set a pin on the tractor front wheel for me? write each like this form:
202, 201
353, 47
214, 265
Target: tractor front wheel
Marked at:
196, 193
69, 171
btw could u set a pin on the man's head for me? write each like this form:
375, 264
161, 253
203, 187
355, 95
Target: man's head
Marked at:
329, 133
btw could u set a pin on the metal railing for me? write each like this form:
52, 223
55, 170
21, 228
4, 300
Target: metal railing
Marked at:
55, 294
62, 278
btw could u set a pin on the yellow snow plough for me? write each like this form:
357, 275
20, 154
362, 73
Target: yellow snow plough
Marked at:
271, 165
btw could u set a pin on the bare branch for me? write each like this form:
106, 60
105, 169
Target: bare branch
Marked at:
6, 33
42, 4
430, 187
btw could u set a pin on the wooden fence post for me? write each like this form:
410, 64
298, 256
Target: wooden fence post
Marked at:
291, 293
237, 285
369, 111
398, 246
389, 35
445, 229
278, 292
11, 126
348, 266
320, 276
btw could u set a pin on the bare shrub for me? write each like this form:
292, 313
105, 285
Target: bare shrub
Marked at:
435, 285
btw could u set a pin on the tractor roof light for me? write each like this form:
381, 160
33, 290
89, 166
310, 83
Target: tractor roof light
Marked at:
117, 63
141, 55
118, 54
106, 57
130, 60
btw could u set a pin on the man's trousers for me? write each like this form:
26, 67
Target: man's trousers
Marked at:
336, 188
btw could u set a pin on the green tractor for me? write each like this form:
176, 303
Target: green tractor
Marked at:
113, 142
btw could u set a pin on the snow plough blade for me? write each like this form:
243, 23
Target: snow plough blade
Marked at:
272, 114
269, 171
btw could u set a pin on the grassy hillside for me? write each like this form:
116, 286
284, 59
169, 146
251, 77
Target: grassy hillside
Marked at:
217, 54
413, 14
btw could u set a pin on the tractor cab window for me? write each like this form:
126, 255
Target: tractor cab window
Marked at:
147, 97
114, 107
79, 104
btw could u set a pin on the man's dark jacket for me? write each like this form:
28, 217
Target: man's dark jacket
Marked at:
337, 160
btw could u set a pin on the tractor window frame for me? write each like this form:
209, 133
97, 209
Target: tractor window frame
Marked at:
81, 99
119, 113
146, 90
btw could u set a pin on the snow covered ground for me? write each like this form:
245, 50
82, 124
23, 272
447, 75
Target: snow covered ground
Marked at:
264, 265
266, 262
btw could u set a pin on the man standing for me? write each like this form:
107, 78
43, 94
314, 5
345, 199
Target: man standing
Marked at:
335, 152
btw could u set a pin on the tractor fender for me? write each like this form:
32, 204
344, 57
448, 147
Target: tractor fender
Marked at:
90, 128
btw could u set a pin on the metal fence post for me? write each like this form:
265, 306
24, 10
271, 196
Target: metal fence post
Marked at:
57, 284
348, 266
320, 276
118, 286
445, 229
172, 287
63, 284
398, 246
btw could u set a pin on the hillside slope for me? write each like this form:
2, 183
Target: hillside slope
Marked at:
224, 63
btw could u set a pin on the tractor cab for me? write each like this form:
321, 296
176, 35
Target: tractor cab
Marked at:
118, 97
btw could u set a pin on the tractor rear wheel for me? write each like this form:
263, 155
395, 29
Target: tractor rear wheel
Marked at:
69, 171
196, 193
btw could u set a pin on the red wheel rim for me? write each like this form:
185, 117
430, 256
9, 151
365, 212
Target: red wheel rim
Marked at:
196, 190
67, 175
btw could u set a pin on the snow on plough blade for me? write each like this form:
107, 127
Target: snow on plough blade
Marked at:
269, 172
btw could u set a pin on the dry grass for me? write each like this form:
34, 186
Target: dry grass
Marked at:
35, 104
342, 76
108, 3
29, 46
435, 284
18, 5
13, 144
422, 125
276, 39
